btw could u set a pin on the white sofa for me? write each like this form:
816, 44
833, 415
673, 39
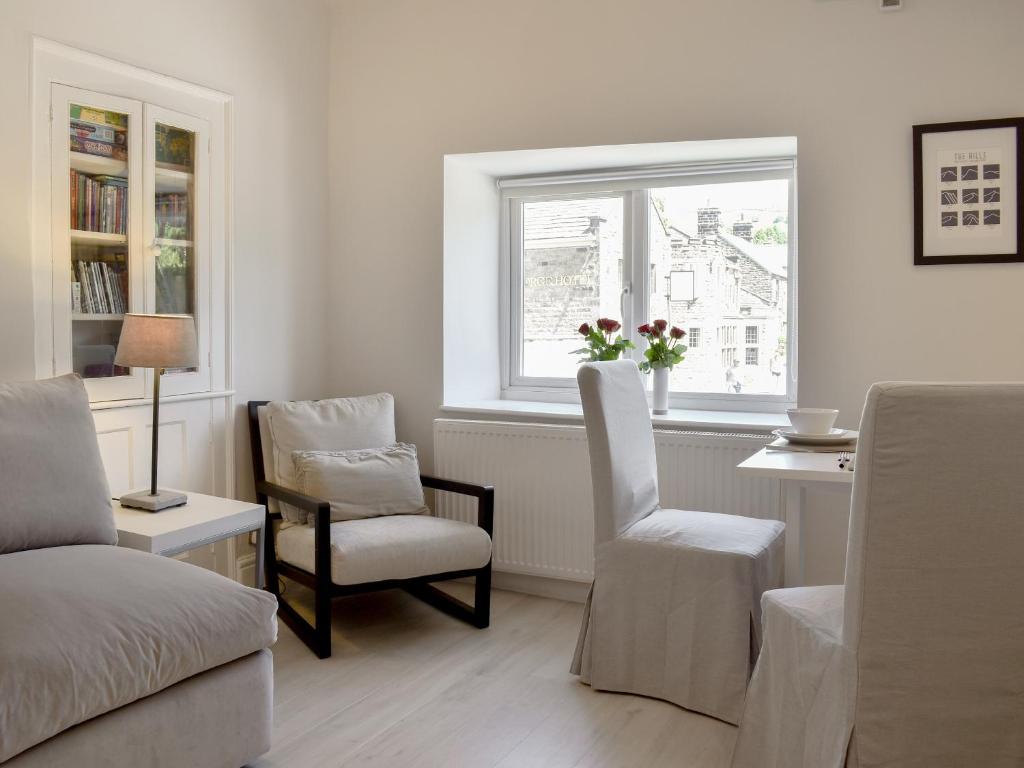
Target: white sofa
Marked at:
112, 657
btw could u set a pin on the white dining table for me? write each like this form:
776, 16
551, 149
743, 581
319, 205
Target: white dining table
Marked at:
796, 473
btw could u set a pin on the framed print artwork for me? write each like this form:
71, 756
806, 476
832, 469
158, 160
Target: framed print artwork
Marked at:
967, 192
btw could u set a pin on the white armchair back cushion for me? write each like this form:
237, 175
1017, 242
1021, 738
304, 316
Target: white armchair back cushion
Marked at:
934, 606
53, 490
623, 463
339, 424
371, 482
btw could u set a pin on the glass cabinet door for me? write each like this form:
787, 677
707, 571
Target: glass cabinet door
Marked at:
177, 198
96, 144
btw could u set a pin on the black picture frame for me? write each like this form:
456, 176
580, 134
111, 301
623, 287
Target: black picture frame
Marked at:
972, 217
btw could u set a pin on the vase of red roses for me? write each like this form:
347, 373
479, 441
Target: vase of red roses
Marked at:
604, 342
665, 350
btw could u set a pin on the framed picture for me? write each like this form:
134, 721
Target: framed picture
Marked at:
967, 192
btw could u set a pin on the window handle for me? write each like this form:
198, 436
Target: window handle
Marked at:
626, 290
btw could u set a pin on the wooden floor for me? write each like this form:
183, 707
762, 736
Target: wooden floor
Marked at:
409, 686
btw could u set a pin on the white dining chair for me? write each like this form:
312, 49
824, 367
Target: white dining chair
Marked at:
674, 612
918, 661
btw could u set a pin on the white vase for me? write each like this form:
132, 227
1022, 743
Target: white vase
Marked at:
659, 402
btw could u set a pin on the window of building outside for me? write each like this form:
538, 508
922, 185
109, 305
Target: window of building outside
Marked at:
710, 250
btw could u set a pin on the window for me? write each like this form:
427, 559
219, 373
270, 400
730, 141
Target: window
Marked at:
709, 244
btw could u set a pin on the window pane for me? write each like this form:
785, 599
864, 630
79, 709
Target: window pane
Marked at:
572, 274
173, 208
721, 255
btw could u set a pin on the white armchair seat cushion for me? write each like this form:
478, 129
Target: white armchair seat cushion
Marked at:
383, 548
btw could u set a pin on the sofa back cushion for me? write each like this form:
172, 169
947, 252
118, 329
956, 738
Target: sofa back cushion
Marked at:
338, 424
54, 489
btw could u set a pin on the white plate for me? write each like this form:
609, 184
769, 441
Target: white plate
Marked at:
834, 437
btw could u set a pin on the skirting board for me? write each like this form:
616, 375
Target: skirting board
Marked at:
541, 586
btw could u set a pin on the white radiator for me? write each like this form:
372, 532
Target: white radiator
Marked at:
543, 517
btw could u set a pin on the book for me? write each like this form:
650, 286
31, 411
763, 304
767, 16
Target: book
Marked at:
173, 146
97, 132
99, 116
99, 148
76, 297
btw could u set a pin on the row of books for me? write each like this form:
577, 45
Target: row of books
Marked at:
172, 211
99, 203
98, 132
101, 288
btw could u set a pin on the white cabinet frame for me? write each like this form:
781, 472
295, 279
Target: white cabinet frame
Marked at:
177, 103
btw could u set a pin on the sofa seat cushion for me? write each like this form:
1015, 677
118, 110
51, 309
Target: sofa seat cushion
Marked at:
384, 548
87, 629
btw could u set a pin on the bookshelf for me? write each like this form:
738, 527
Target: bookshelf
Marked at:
130, 233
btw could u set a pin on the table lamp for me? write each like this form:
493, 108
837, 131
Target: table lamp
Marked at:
157, 342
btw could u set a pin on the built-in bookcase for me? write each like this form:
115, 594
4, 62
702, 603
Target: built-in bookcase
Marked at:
130, 233
131, 201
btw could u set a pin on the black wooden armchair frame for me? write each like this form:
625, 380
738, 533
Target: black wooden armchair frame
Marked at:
318, 636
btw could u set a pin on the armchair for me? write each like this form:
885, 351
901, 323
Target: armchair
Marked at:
345, 558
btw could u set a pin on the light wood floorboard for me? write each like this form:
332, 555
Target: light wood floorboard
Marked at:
408, 686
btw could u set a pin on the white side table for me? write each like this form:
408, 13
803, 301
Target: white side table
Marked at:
798, 472
203, 520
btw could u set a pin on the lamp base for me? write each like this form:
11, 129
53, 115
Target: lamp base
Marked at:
145, 500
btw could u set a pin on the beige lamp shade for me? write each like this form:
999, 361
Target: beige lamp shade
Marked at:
157, 341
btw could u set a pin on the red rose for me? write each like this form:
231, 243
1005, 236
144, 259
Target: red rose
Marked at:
644, 329
613, 326
584, 330
677, 333
661, 325
608, 325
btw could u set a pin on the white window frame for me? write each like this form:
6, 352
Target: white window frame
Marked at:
633, 186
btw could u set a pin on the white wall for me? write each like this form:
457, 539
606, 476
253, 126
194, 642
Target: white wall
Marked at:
272, 57
413, 81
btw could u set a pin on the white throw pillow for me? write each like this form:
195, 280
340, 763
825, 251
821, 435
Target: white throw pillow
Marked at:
363, 483
338, 424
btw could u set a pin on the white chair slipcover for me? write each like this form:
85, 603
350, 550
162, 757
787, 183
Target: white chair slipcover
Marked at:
919, 661
675, 607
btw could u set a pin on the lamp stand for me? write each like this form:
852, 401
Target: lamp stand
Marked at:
155, 499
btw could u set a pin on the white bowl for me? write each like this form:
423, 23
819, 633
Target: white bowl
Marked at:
812, 421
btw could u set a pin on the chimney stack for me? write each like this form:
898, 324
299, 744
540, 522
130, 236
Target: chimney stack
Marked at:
707, 222
744, 229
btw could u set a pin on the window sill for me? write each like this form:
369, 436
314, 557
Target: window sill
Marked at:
521, 410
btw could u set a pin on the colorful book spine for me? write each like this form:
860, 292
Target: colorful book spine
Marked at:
99, 204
